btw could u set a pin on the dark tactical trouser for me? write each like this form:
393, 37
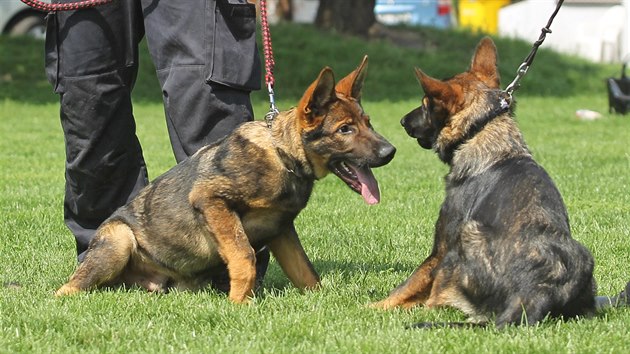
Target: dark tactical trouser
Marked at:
207, 63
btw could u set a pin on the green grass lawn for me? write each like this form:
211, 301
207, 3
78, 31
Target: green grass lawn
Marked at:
360, 252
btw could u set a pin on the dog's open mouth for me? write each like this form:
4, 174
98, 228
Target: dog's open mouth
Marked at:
359, 178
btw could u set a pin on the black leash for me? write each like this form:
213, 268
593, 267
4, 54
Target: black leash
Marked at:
522, 70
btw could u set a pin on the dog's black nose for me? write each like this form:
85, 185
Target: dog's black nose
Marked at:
386, 153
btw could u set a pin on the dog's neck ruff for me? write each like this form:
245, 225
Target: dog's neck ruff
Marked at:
502, 105
294, 160
292, 165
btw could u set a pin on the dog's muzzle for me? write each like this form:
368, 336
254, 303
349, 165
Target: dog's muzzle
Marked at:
417, 125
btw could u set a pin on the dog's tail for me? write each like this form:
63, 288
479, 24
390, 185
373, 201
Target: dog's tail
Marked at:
623, 299
433, 325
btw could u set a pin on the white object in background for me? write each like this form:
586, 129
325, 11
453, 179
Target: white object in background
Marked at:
592, 30
587, 114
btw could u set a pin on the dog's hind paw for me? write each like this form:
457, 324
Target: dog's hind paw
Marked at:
67, 290
381, 305
392, 302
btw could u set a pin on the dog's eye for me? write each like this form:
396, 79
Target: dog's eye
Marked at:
345, 129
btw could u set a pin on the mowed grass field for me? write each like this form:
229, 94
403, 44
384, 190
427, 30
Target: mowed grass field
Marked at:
361, 252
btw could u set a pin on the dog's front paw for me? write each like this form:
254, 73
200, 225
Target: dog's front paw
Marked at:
240, 295
241, 300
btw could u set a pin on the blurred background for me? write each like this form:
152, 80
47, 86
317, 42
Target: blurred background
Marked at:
599, 32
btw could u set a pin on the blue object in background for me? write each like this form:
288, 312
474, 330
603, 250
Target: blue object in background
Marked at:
433, 13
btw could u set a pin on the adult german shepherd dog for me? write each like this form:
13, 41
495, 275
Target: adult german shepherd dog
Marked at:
502, 245
238, 195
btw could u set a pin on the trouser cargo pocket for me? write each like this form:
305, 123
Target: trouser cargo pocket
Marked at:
234, 59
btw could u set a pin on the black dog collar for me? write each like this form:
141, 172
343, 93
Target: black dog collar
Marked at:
501, 104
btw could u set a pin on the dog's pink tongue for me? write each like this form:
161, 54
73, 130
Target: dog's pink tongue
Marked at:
369, 186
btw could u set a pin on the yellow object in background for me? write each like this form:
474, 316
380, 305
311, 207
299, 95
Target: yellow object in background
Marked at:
480, 15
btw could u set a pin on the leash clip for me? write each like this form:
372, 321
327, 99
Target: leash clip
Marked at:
273, 110
505, 103
516, 83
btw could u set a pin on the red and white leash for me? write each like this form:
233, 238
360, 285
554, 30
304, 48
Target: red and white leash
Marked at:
269, 63
266, 39
68, 6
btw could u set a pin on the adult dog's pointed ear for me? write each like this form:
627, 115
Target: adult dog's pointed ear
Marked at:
484, 63
433, 87
318, 95
352, 84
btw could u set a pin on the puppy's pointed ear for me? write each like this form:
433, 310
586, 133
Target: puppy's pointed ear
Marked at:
484, 63
318, 95
433, 87
352, 85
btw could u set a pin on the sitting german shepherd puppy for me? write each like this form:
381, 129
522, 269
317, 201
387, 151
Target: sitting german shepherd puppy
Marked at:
502, 245
237, 195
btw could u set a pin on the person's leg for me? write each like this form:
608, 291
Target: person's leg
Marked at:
206, 67
207, 63
204, 117
91, 61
